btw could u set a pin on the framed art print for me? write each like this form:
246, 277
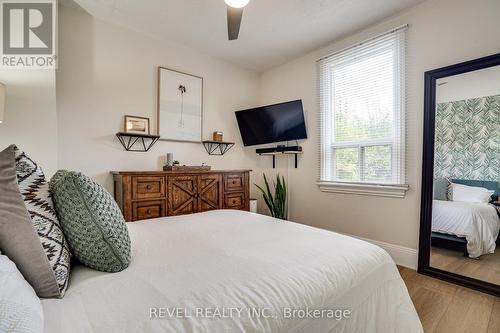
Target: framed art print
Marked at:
136, 125
180, 106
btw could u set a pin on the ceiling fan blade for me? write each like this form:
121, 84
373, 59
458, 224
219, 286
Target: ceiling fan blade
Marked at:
233, 22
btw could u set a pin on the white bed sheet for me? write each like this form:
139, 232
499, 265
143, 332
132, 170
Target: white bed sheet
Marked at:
233, 259
477, 222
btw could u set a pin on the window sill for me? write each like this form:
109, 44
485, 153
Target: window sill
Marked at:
391, 191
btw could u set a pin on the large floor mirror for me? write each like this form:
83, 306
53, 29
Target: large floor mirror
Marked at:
460, 216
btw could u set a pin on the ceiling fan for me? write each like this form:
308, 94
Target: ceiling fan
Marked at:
234, 15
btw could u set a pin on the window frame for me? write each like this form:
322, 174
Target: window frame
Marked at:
360, 146
328, 180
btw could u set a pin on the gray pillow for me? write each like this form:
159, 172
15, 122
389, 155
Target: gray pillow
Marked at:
441, 189
31, 252
92, 222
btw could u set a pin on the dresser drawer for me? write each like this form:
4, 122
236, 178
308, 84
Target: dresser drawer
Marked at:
148, 187
234, 182
234, 201
142, 210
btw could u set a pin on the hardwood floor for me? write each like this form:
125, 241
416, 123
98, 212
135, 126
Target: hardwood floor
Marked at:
444, 307
486, 268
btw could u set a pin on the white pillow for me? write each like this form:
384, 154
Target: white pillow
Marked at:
20, 308
464, 193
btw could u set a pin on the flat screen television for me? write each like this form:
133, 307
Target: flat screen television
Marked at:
272, 123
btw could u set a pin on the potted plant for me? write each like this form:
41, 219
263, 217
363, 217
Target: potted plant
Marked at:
277, 202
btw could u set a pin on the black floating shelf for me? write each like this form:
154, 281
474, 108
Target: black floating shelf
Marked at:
281, 150
145, 141
217, 147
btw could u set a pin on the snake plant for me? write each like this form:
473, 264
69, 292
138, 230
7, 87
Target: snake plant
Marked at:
276, 203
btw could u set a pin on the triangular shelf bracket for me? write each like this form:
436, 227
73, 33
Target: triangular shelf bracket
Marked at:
217, 147
137, 142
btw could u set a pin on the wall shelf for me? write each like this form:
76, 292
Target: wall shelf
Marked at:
280, 150
128, 140
217, 147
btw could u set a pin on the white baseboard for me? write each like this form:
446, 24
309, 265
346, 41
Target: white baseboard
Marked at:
403, 256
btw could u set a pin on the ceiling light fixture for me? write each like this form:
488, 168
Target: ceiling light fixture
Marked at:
234, 15
237, 3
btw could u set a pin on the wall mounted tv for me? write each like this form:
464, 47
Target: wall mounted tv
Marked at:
272, 123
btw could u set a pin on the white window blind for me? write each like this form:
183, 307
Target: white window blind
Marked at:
362, 104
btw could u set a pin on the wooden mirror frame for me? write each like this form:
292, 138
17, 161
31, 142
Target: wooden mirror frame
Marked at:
428, 174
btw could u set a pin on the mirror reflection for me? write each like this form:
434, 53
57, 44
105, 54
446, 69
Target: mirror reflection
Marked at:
465, 211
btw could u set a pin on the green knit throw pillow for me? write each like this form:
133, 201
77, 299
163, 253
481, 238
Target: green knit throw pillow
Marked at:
91, 221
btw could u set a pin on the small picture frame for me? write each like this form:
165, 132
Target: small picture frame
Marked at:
137, 125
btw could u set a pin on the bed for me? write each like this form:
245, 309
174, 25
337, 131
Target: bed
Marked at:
252, 272
478, 223
467, 226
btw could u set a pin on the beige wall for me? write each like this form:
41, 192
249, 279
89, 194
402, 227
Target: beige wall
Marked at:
106, 72
441, 33
30, 119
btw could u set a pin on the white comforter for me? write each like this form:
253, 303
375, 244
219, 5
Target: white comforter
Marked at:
477, 222
223, 260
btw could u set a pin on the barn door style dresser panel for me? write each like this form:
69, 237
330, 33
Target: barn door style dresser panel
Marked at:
150, 194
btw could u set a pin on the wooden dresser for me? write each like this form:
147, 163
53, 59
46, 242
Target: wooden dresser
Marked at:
150, 194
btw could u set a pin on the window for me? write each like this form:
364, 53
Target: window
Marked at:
362, 116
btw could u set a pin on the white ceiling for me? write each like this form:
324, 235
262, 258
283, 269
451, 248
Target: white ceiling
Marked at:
272, 31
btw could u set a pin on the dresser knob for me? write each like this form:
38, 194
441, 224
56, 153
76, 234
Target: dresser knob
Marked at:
148, 187
148, 212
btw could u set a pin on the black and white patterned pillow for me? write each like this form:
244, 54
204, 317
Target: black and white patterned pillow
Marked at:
35, 192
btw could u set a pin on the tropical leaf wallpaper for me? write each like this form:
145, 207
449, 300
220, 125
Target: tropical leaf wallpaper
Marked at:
468, 139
